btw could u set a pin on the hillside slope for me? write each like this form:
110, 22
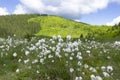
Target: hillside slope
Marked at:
18, 25
46, 25
55, 25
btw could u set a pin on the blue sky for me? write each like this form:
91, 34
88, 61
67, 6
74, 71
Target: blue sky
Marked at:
97, 12
103, 16
9, 4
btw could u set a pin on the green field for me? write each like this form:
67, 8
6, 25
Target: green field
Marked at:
54, 25
42, 47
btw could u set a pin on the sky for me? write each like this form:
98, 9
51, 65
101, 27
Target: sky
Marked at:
96, 12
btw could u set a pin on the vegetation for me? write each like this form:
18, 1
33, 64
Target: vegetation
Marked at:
59, 59
54, 25
90, 53
18, 25
45, 25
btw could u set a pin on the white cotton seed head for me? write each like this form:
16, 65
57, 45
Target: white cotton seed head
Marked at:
17, 70
78, 78
98, 78
71, 70
109, 68
106, 74
14, 54
71, 58
27, 52
103, 68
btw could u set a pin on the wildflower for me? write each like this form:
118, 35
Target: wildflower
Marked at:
37, 72
76, 49
53, 42
109, 68
58, 54
19, 60
79, 53
108, 57
92, 69
35, 61
83, 73
54, 37
72, 54
79, 63
50, 56
59, 37
93, 77
88, 51
14, 54
71, 58
86, 66
79, 56
106, 74
60, 40
78, 78
26, 61
68, 37
53, 48
117, 43
66, 54
27, 52
17, 70
41, 60
98, 78
71, 70
53, 61
103, 68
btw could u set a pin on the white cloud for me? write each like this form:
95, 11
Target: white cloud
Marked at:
3, 11
118, 1
114, 21
67, 8
19, 10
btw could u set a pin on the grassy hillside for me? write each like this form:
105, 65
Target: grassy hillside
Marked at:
18, 25
44, 25
54, 25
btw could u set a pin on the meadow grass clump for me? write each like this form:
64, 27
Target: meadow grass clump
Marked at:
18, 25
58, 59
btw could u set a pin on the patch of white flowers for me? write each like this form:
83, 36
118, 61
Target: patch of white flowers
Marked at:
93, 77
72, 52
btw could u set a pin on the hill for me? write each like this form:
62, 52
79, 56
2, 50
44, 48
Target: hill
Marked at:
25, 26
17, 25
55, 25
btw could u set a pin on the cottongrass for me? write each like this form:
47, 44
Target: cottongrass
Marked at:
65, 59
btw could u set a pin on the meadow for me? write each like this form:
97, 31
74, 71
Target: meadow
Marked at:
58, 59
54, 48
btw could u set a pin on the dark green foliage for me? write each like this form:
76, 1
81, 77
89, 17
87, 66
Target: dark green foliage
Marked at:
18, 25
81, 36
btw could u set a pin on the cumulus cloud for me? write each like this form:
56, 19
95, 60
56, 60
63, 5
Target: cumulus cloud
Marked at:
114, 21
118, 1
68, 8
3, 11
20, 10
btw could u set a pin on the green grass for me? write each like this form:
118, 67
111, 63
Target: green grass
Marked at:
54, 25
25, 26
52, 58
94, 53
18, 25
